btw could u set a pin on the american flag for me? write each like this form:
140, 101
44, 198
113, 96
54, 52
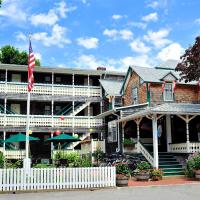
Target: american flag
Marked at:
31, 65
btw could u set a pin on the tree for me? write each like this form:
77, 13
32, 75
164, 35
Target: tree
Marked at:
11, 55
189, 67
0, 3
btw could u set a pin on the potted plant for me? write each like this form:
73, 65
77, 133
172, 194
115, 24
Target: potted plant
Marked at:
129, 144
122, 174
142, 172
192, 169
156, 174
197, 174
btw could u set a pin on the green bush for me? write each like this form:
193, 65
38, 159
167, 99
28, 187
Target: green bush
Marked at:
128, 142
14, 164
192, 164
143, 165
123, 168
98, 155
42, 166
2, 159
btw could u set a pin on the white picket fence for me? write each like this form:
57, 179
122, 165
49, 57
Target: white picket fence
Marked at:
57, 178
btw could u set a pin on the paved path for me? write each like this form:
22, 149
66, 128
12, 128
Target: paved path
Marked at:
178, 192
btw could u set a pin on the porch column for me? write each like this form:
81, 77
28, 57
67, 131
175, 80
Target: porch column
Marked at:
187, 135
137, 121
169, 131
155, 141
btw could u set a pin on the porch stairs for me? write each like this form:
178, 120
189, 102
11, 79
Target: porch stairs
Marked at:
169, 165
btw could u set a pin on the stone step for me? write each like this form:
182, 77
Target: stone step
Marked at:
172, 170
170, 166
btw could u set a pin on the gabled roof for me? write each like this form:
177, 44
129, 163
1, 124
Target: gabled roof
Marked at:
168, 64
111, 87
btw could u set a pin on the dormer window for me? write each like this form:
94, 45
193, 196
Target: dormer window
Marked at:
168, 92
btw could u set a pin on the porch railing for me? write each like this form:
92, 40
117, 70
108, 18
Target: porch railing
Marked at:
145, 153
14, 120
48, 89
14, 154
182, 147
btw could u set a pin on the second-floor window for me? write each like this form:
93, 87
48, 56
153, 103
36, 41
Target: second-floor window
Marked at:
47, 110
135, 95
168, 92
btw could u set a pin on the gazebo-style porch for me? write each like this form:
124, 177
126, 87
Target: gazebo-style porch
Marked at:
180, 129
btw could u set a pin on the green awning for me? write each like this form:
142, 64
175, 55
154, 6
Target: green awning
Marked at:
63, 136
19, 138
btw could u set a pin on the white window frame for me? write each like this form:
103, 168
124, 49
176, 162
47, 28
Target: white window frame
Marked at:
112, 131
47, 109
135, 95
166, 90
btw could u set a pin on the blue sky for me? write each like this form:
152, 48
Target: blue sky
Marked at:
91, 33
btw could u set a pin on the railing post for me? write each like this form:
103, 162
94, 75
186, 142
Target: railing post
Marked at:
155, 141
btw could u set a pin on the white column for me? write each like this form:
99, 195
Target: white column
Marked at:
73, 105
155, 142
187, 135
169, 131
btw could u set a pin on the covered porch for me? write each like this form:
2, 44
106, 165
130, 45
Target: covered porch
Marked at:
170, 127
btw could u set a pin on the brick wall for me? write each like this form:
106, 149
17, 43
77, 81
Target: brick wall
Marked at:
183, 93
135, 82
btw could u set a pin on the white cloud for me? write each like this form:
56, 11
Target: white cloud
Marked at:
88, 43
158, 39
116, 17
150, 17
197, 21
138, 24
13, 9
49, 19
141, 60
56, 38
21, 36
139, 47
158, 4
171, 52
38, 56
53, 14
110, 33
124, 34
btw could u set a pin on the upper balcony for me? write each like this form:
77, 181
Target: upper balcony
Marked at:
39, 89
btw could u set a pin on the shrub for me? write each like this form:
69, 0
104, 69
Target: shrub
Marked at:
143, 165
123, 168
16, 164
156, 172
192, 164
98, 155
2, 159
128, 142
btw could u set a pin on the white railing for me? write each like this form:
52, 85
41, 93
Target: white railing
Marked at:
14, 154
14, 120
145, 153
182, 147
47, 89
56, 178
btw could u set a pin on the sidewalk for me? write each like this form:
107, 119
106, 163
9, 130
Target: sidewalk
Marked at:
164, 181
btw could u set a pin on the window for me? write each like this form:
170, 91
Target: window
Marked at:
168, 93
58, 79
47, 79
112, 131
135, 95
47, 110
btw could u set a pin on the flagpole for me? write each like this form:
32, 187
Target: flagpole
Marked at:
27, 162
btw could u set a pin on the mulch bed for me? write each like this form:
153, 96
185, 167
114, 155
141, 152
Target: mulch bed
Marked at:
164, 181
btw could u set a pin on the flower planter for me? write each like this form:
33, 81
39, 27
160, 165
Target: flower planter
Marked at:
142, 177
156, 178
122, 181
197, 175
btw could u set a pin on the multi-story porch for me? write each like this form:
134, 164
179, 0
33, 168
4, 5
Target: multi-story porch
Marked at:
180, 130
